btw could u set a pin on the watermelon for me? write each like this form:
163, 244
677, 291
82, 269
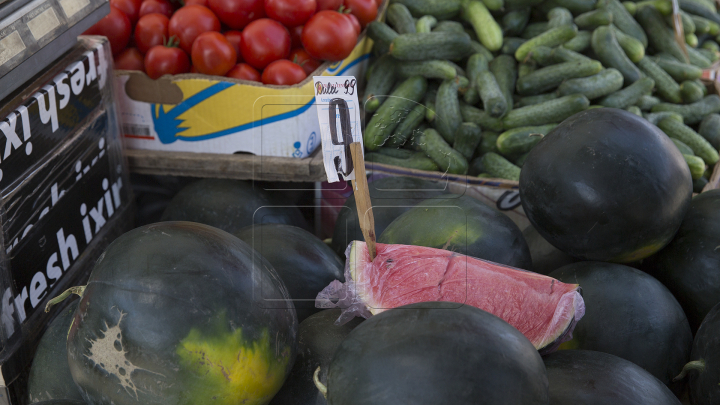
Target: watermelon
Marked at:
436, 353
461, 224
231, 205
630, 315
545, 257
318, 338
704, 368
50, 376
543, 309
595, 378
606, 185
690, 265
180, 313
304, 262
60, 402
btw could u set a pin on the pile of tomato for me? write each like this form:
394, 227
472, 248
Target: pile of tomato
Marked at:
276, 42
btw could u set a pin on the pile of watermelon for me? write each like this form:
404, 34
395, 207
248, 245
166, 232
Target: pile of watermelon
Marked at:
611, 297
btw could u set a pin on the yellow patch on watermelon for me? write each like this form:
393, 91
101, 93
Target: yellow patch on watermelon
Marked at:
571, 344
638, 254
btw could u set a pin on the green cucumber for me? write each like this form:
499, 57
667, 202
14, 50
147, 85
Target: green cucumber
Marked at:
711, 45
418, 161
687, 22
480, 117
561, 55
526, 68
629, 95
631, 7
647, 102
580, 43
476, 167
666, 87
488, 144
700, 146
594, 19
664, 7
493, 5
699, 184
624, 20
520, 140
542, 55
691, 40
606, 82
449, 26
400, 18
701, 57
696, 8
702, 86
550, 77
477, 47
431, 45
635, 110
633, 48
380, 82
534, 29
575, 6
710, 129
446, 158
552, 37
447, 110
403, 131
695, 112
559, 16
487, 29
426, 23
467, 138
382, 35
430, 69
475, 63
499, 167
531, 100
395, 152
441, 9
654, 118
659, 35
608, 51
684, 149
691, 91
702, 25
386, 118
514, 22
504, 68
548, 112
429, 101
511, 44
519, 162
486, 86
696, 165
678, 70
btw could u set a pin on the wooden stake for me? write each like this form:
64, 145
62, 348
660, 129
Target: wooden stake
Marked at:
679, 29
362, 198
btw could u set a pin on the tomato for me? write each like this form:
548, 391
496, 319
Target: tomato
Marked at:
166, 60
116, 27
296, 36
156, 6
378, 3
291, 13
130, 59
212, 54
131, 8
329, 35
189, 22
193, 69
283, 73
365, 10
203, 3
306, 62
264, 41
243, 71
151, 30
333, 5
235, 39
237, 14
354, 21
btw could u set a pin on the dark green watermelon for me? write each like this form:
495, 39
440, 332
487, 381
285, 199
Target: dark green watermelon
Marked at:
318, 338
690, 265
390, 197
231, 205
461, 224
606, 185
704, 368
594, 378
61, 402
50, 376
304, 262
181, 313
436, 353
631, 315
545, 257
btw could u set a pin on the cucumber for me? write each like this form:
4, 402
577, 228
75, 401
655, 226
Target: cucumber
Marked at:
514, 22
412, 142
426, 23
594, 19
526, 68
400, 18
429, 101
678, 70
693, 7
467, 138
403, 131
550, 77
699, 184
664, 7
695, 112
629, 95
666, 87
447, 110
552, 37
429, 69
449, 26
631, 7
548, 112
633, 48
488, 144
480, 117
499, 167
379, 83
702, 86
687, 22
624, 20
446, 158
691, 40
575, 6
646, 102
635, 110
493, 5
702, 25
511, 44
684, 149
559, 16
534, 29
701, 57
542, 55
476, 167
711, 45
504, 68
475, 63
486, 86
580, 43
654, 118
560, 55
531, 100
688, 136
608, 51
477, 47
418, 161
696, 165
431, 45
382, 35
441, 9
391, 112
520, 140
519, 162
606, 82
659, 35
487, 29
691, 91
395, 152
710, 129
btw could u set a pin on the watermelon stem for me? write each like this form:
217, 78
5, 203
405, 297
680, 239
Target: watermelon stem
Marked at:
320, 386
79, 290
698, 365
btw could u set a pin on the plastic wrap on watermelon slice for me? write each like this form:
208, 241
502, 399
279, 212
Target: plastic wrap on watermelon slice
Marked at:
544, 309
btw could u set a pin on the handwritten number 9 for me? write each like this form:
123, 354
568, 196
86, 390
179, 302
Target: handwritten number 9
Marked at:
350, 86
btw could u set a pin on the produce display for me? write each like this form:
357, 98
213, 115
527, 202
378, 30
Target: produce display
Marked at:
470, 86
705, 355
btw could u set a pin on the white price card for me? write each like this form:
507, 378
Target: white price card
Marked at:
340, 125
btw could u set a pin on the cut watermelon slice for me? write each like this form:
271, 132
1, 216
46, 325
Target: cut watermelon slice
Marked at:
542, 308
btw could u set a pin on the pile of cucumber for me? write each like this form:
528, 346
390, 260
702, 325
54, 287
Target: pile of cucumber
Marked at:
470, 86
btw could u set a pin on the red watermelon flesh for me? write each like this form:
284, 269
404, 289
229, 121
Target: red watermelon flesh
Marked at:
544, 309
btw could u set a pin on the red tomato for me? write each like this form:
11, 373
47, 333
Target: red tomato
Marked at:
235, 39
365, 10
116, 27
131, 8
236, 14
243, 71
156, 6
193, 69
283, 73
306, 62
333, 5
166, 60
296, 36
290, 13
378, 3
189, 22
151, 30
212, 54
130, 59
354, 21
329, 35
264, 41
203, 3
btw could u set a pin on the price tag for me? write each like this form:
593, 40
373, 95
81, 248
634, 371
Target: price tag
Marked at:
339, 115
